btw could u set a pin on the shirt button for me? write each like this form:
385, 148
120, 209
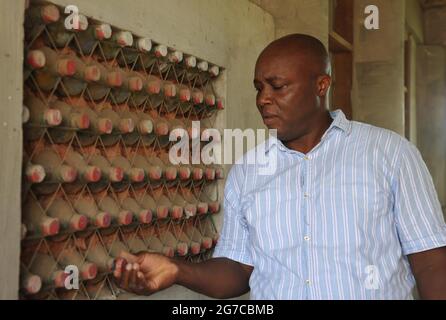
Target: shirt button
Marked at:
306, 158
308, 282
307, 238
306, 195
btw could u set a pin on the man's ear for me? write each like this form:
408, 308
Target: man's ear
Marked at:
323, 84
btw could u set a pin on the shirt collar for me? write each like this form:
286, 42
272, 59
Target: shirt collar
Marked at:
339, 121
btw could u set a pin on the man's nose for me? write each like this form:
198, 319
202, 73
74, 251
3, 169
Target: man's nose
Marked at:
264, 97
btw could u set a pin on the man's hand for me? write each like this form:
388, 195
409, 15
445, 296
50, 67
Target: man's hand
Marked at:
145, 273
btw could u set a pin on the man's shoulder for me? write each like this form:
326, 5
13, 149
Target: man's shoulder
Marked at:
371, 133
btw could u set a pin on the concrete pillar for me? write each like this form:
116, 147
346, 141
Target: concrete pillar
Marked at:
11, 66
431, 113
378, 57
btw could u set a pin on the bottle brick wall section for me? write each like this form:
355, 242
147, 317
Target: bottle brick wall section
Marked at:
99, 105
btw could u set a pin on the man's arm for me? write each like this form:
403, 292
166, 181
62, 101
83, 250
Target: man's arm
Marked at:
148, 273
429, 269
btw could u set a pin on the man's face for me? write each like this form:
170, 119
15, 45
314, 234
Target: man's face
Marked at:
286, 93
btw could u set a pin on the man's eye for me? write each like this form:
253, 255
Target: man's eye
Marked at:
278, 87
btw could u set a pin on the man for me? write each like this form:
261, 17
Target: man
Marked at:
350, 213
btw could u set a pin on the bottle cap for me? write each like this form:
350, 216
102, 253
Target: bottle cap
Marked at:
124, 38
49, 14
137, 174
32, 284
53, 117
214, 71
92, 174
135, 84
162, 212
116, 174
145, 216
195, 248
103, 219
145, 126
50, 226
161, 129
105, 125
66, 67
35, 173
203, 66
197, 96
182, 248
114, 79
103, 31
176, 56
78, 222
126, 125
202, 208
184, 94
177, 212
67, 173
160, 51
190, 210
144, 44
125, 217
171, 173
36, 59
191, 62
88, 271
92, 74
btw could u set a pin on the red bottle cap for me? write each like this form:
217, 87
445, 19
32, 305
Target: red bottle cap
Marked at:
162, 212
155, 173
126, 125
182, 249
145, 216
50, 226
92, 73
79, 222
105, 125
35, 173
184, 173
32, 284
49, 14
171, 173
202, 207
125, 217
137, 174
177, 212
197, 174
92, 174
36, 59
116, 174
103, 219
195, 248
89, 271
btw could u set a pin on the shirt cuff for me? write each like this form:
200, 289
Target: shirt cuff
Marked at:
432, 241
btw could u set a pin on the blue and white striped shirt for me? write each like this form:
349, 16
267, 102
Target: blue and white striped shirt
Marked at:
336, 223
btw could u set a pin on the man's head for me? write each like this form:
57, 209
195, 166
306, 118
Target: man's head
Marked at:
292, 81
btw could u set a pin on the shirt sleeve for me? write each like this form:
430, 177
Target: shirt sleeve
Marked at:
234, 237
419, 218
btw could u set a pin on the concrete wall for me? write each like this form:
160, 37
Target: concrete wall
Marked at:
302, 16
378, 82
414, 19
230, 33
431, 113
11, 57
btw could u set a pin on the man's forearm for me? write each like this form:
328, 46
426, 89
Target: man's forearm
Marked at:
219, 278
432, 284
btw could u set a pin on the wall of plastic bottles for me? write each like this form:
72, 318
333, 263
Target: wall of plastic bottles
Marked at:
99, 106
